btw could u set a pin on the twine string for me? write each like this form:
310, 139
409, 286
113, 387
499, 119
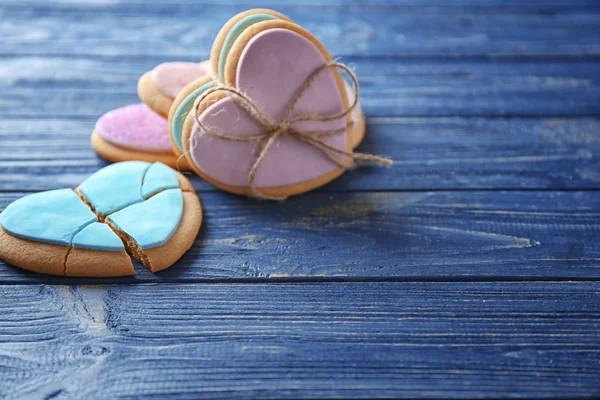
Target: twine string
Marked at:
277, 129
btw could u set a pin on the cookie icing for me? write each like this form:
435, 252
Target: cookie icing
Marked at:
172, 77
61, 217
152, 222
52, 217
182, 112
235, 32
115, 187
123, 184
136, 127
97, 236
273, 65
158, 177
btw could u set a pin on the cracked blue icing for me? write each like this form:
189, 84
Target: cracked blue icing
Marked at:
115, 187
152, 222
158, 177
53, 216
61, 217
120, 185
98, 236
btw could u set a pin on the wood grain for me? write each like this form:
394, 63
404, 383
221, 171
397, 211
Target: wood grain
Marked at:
423, 236
440, 153
325, 340
471, 269
176, 28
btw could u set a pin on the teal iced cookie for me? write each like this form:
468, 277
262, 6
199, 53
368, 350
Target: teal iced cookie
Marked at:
145, 201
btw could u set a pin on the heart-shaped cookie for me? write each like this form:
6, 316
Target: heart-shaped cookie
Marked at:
267, 57
147, 209
268, 61
134, 132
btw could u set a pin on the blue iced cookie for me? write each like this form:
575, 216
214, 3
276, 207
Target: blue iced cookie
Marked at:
64, 232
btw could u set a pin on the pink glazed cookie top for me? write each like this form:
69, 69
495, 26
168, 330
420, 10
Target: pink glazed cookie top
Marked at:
172, 77
136, 127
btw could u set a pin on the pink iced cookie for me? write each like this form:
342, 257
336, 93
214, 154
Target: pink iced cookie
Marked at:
172, 77
271, 67
136, 127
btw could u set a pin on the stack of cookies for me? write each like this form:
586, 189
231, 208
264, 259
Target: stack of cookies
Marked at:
265, 56
268, 116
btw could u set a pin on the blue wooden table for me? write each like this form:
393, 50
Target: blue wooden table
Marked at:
469, 269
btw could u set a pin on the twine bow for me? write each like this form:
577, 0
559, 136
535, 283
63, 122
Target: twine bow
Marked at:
276, 129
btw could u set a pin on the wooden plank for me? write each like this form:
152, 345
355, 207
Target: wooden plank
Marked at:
174, 30
403, 236
87, 87
116, 5
439, 153
350, 340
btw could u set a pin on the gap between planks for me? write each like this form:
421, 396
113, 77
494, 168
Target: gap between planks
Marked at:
62, 281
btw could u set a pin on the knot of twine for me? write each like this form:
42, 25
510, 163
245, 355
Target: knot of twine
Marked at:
276, 129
